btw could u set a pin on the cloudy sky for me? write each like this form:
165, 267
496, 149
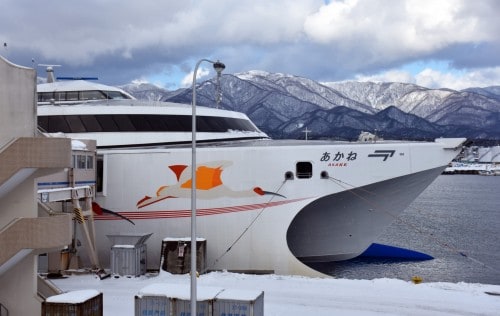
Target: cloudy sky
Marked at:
434, 43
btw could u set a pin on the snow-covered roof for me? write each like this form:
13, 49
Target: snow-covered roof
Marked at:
180, 291
240, 295
182, 239
75, 85
78, 145
73, 297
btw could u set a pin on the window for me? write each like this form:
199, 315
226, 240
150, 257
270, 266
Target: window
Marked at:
116, 95
80, 95
90, 162
92, 95
71, 96
45, 96
141, 122
59, 96
56, 124
91, 123
303, 170
123, 123
107, 123
75, 124
81, 161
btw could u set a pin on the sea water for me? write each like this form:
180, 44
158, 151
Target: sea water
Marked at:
456, 220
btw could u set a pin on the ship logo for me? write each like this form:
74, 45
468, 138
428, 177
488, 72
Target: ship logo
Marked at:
382, 154
209, 185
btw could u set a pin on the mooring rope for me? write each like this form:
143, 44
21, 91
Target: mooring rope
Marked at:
244, 230
345, 186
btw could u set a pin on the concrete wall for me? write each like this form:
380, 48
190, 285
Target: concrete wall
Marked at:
24, 157
17, 101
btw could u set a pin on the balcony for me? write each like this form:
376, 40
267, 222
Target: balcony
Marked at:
23, 235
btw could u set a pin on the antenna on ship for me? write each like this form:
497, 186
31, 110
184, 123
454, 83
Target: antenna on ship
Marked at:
50, 72
306, 131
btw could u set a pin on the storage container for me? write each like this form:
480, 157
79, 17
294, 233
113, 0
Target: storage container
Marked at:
129, 239
176, 255
128, 254
128, 260
231, 302
162, 299
74, 303
147, 305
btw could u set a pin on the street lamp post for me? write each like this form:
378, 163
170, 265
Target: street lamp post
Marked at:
218, 67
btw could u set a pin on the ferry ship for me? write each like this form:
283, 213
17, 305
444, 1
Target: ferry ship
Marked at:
262, 204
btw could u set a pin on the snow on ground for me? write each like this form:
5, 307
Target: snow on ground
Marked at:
299, 296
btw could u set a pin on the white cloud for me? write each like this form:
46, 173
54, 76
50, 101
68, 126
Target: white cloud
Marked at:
187, 81
140, 81
321, 40
400, 27
394, 75
473, 78
434, 79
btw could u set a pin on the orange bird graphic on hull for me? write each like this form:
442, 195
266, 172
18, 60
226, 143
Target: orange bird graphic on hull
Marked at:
209, 185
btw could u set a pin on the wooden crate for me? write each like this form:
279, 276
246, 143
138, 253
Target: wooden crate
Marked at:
67, 304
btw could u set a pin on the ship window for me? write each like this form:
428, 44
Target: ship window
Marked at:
107, 123
45, 96
71, 96
116, 95
182, 123
203, 124
75, 123
141, 122
157, 123
92, 95
56, 124
124, 123
91, 123
43, 122
80, 95
303, 170
60, 96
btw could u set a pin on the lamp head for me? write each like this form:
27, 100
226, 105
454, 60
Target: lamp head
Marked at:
219, 67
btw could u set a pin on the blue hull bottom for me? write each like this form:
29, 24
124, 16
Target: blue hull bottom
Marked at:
386, 251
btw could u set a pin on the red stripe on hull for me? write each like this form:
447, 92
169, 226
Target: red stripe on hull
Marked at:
199, 212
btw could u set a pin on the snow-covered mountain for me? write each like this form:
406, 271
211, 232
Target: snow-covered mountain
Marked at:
283, 105
145, 91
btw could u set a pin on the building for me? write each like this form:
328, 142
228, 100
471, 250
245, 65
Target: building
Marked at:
24, 156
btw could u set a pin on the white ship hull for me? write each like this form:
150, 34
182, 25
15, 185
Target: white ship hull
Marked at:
354, 191
331, 199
